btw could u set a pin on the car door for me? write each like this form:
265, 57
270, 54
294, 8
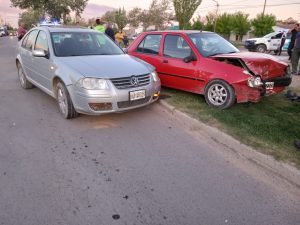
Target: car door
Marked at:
148, 50
42, 65
174, 71
275, 41
26, 53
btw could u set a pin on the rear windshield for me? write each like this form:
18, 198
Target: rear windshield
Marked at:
83, 43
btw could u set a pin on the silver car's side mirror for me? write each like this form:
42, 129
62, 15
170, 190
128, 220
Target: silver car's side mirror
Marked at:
39, 53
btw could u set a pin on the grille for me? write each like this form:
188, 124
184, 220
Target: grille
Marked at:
127, 104
125, 82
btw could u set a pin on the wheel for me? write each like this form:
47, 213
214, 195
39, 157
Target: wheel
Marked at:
64, 102
22, 78
219, 94
261, 48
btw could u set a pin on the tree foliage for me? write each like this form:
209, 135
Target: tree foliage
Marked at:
210, 21
184, 10
30, 17
157, 14
121, 18
109, 16
133, 16
241, 24
263, 24
225, 25
55, 8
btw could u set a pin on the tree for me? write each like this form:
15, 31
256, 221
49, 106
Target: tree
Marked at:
109, 16
225, 25
210, 21
145, 18
30, 17
241, 24
55, 8
159, 13
184, 10
198, 24
133, 16
120, 18
263, 24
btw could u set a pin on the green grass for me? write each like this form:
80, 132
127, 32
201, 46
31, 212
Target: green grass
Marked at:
270, 126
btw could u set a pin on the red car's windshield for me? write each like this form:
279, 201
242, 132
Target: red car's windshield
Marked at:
209, 44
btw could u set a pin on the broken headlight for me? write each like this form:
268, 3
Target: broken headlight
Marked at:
254, 81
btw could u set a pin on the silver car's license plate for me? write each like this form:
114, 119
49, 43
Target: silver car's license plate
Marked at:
136, 95
269, 85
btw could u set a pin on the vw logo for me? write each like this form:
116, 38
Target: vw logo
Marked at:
134, 81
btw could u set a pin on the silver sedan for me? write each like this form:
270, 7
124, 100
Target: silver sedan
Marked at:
85, 71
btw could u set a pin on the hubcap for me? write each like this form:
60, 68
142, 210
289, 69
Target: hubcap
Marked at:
217, 94
61, 98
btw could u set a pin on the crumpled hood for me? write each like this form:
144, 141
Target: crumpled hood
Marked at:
107, 66
267, 66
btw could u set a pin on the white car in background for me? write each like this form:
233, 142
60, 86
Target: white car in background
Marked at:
269, 42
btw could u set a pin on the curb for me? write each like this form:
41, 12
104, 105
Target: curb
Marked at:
265, 163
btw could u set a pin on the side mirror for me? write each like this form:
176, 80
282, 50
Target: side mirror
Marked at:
189, 58
39, 53
125, 50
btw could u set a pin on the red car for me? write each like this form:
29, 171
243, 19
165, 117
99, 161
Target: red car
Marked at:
205, 63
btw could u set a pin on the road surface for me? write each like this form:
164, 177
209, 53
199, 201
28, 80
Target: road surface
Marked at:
139, 167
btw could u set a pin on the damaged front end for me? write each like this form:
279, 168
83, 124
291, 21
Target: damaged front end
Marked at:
266, 75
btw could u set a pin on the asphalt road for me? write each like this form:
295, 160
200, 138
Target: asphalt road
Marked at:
139, 167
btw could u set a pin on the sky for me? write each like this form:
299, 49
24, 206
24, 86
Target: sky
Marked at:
282, 9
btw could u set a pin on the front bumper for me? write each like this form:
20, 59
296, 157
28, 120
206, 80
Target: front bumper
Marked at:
250, 45
112, 100
244, 93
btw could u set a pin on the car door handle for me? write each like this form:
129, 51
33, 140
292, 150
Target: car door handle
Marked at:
165, 61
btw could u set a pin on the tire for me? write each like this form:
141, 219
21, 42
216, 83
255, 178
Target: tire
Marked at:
261, 48
219, 94
22, 78
64, 102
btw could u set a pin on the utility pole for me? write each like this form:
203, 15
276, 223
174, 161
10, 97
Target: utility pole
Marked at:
215, 25
263, 13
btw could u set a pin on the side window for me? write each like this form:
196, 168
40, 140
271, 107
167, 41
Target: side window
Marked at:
31, 39
150, 44
176, 47
277, 36
24, 41
41, 42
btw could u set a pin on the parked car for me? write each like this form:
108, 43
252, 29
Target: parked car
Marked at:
269, 42
2, 32
85, 71
205, 63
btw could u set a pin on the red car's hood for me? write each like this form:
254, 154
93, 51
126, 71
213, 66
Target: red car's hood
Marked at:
265, 65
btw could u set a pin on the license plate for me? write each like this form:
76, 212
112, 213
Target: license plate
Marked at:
136, 95
269, 85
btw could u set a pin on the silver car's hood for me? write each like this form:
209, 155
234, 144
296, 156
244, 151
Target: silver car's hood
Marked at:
107, 66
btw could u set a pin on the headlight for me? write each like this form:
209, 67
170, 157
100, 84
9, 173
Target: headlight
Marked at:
255, 82
155, 76
93, 84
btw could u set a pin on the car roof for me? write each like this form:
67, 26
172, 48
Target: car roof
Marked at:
64, 28
179, 31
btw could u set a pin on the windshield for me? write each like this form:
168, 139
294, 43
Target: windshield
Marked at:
83, 43
209, 44
270, 35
